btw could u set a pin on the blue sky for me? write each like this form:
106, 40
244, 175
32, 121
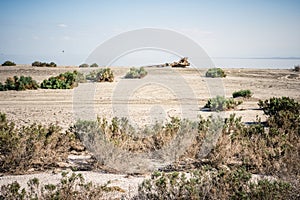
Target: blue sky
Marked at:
40, 30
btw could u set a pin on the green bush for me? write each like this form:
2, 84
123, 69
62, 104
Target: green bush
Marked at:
36, 63
274, 105
51, 64
67, 80
16, 83
215, 72
9, 63
94, 65
43, 64
242, 93
2, 87
136, 73
84, 65
220, 103
282, 111
101, 75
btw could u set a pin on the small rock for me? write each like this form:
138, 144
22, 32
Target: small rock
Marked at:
77, 147
224, 167
56, 171
73, 152
79, 157
62, 164
30, 170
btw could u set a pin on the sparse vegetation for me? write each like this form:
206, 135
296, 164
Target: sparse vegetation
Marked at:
212, 183
16, 83
274, 151
9, 63
43, 64
70, 187
121, 134
67, 80
136, 73
84, 65
80, 77
282, 111
33, 146
225, 172
94, 65
215, 73
101, 75
220, 103
242, 93
275, 105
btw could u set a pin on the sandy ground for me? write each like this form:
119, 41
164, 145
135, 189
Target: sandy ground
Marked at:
129, 184
162, 93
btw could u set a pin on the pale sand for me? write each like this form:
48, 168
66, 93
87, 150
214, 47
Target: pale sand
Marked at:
127, 183
155, 97
163, 92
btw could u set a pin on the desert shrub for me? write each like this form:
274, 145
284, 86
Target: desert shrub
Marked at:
220, 103
252, 149
67, 80
92, 75
94, 65
16, 83
242, 93
136, 73
273, 150
2, 87
215, 72
106, 139
212, 183
51, 64
283, 112
84, 65
274, 105
101, 75
9, 63
33, 146
122, 134
43, 64
80, 77
70, 187
36, 63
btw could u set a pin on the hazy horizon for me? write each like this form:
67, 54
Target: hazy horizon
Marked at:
66, 32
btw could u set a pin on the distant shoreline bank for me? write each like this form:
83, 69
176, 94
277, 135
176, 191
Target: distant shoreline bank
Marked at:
222, 62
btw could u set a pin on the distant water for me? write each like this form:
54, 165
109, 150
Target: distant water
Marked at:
261, 63
154, 58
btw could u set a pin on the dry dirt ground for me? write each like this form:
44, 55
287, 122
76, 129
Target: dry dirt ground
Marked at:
164, 92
